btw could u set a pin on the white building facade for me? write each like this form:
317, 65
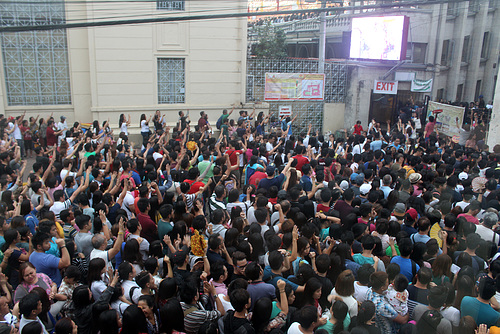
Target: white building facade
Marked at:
96, 73
455, 43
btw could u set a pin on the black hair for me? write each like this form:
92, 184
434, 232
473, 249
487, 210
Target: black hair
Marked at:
172, 317
308, 315
33, 327
239, 298
400, 283
28, 303
108, 322
134, 321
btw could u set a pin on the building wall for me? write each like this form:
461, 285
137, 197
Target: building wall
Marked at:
114, 69
426, 28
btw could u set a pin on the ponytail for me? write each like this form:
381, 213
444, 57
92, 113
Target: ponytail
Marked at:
339, 312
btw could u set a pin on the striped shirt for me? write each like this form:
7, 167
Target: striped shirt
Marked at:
216, 204
196, 315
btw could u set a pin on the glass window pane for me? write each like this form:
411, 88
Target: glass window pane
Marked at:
171, 82
36, 63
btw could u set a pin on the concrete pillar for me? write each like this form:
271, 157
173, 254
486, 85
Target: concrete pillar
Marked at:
456, 60
494, 131
489, 71
477, 42
436, 41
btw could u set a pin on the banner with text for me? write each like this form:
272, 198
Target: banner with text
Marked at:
447, 115
385, 87
421, 86
294, 86
285, 111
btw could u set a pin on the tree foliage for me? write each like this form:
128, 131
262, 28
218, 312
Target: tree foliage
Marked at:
271, 42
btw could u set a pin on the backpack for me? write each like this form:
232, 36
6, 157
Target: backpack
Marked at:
249, 172
284, 125
219, 123
131, 293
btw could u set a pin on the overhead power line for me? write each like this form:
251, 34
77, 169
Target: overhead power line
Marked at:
213, 16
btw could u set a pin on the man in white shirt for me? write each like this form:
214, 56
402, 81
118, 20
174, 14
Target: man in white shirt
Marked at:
66, 171
99, 243
135, 228
30, 307
485, 229
61, 204
62, 125
308, 321
15, 132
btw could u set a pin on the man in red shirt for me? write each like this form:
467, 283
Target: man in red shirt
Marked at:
234, 155
149, 230
52, 134
202, 122
193, 174
301, 160
256, 177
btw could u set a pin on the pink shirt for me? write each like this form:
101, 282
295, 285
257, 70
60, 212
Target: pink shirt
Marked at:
429, 128
219, 287
469, 218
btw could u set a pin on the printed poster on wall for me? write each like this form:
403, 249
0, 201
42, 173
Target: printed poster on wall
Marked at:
446, 117
294, 86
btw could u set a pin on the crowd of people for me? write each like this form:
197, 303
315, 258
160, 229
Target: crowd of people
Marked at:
242, 225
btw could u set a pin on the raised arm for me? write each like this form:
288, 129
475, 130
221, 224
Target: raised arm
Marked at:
49, 168
119, 240
158, 192
83, 186
195, 158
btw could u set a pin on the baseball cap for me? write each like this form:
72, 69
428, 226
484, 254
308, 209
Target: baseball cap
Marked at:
179, 257
365, 189
63, 118
270, 170
463, 176
194, 259
399, 209
360, 178
344, 185
413, 213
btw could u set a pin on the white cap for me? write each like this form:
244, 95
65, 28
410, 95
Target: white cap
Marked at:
344, 185
365, 189
463, 176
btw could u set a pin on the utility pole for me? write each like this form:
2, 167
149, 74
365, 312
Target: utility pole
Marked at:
322, 38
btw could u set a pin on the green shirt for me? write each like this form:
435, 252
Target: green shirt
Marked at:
329, 327
204, 165
440, 280
360, 259
275, 311
388, 251
164, 227
225, 130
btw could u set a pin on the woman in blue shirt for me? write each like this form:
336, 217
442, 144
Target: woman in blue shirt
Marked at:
29, 213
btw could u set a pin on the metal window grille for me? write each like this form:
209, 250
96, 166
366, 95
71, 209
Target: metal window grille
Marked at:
171, 84
170, 4
36, 66
308, 112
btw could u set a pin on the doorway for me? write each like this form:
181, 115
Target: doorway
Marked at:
382, 107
